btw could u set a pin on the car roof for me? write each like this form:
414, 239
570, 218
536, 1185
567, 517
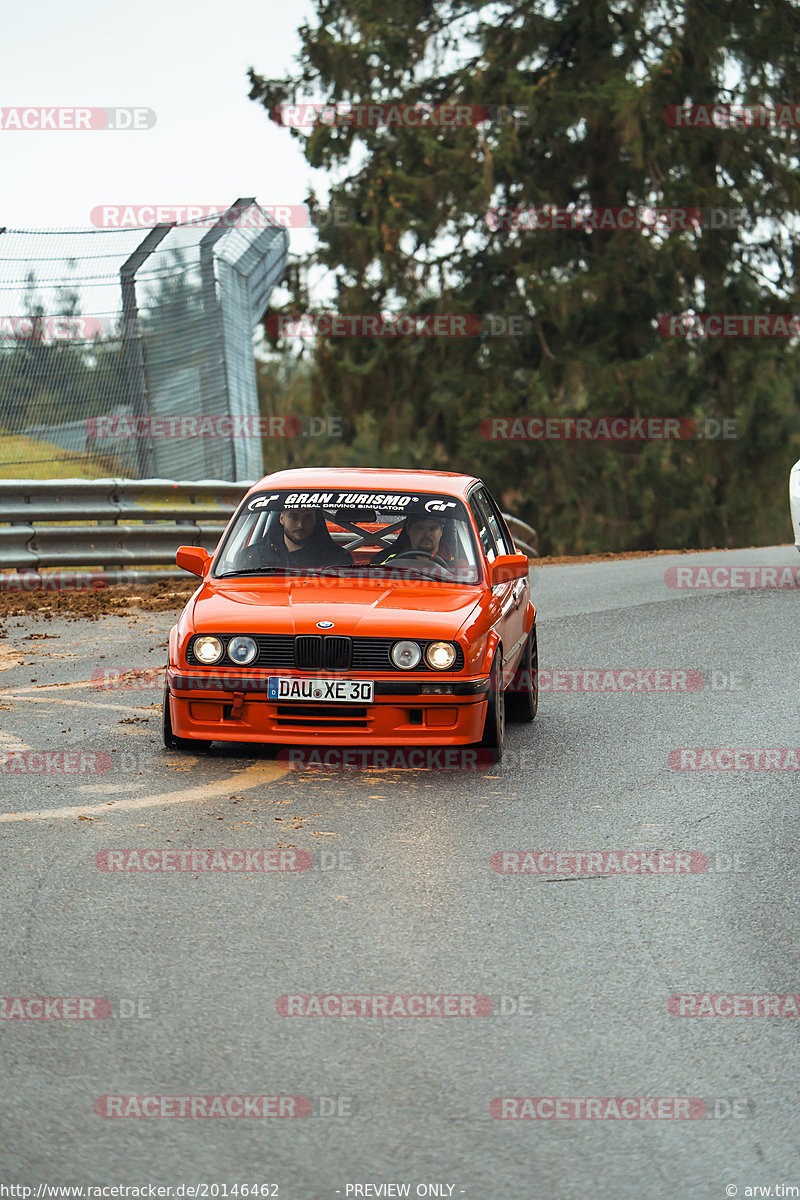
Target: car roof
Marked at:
358, 478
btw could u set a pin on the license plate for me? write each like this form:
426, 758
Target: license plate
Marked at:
328, 691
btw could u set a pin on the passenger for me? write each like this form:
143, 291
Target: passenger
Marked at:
303, 540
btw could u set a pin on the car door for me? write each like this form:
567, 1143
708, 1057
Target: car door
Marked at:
522, 587
493, 543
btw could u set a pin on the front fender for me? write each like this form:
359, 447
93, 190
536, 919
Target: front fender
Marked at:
478, 635
481, 652
173, 646
493, 644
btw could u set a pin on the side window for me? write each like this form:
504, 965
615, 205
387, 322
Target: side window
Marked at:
242, 537
498, 526
483, 522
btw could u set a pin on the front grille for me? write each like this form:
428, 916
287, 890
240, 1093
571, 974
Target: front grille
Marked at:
283, 651
372, 654
321, 716
338, 653
308, 652
314, 652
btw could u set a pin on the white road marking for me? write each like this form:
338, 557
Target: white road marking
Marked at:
22, 695
8, 657
253, 776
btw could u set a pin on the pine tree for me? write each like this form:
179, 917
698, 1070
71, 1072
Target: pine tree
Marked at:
578, 93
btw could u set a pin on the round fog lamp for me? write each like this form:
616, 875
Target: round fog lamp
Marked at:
208, 650
242, 650
405, 655
440, 655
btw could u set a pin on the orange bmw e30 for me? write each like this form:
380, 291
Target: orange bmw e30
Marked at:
349, 607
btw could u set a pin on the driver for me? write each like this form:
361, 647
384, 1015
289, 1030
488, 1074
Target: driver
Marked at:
422, 533
301, 540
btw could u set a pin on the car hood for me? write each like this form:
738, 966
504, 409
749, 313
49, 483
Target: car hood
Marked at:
365, 608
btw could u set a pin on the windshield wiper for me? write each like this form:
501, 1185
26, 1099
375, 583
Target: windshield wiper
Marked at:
364, 569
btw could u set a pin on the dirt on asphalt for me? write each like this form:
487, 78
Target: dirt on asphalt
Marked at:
93, 602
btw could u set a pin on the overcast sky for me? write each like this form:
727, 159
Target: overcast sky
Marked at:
186, 61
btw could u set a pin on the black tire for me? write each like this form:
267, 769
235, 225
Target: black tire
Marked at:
494, 726
172, 742
522, 698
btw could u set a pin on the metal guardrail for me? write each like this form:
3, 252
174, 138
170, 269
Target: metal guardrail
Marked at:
30, 500
142, 521
43, 523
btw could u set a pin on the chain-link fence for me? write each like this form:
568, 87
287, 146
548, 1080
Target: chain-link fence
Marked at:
129, 352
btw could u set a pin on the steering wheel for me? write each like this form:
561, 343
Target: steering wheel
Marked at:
421, 554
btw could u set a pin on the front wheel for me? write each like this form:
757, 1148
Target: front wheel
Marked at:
171, 741
523, 695
494, 726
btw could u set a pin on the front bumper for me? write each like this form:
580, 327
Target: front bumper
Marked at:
234, 707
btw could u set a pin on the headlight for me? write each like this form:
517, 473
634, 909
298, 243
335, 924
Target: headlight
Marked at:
208, 650
405, 655
242, 650
440, 655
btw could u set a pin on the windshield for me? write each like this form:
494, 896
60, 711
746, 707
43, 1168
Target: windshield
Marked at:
380, 534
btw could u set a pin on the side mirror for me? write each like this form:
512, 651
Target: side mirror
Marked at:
194, 559
507, 567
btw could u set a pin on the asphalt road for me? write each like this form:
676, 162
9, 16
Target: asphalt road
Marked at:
401, 898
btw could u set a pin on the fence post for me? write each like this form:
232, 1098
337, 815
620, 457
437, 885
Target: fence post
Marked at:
133, 342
